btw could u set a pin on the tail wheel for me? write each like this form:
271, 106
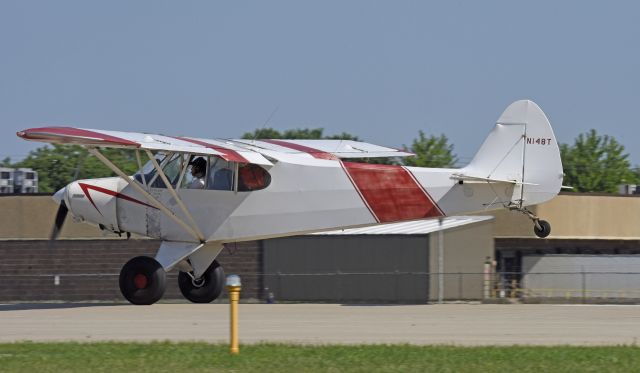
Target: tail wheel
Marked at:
544, 230
142, 280
204, 289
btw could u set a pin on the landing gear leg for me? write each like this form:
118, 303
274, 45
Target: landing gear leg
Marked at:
541, 228
142, 280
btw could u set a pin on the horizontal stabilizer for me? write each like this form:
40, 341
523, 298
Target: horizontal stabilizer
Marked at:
462, 177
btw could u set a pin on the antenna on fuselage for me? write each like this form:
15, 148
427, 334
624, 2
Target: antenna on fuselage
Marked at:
273, 112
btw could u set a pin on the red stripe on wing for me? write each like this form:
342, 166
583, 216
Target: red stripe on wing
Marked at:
391, 192
301, 148
73, 135
227, 154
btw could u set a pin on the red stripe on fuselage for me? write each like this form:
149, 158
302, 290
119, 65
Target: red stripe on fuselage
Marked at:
424, 191
391, 192
227, 154
86, 187
301, 148
355, 186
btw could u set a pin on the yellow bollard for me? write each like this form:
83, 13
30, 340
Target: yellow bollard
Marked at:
233, 287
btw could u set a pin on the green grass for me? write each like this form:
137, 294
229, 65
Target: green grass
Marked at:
202, 357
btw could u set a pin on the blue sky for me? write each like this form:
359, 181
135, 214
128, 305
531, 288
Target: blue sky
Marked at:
379, 70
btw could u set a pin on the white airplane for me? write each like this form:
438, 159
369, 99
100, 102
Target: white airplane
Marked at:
197, 194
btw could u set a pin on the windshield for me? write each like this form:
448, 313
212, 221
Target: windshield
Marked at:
216, 173
148, 167
171, 165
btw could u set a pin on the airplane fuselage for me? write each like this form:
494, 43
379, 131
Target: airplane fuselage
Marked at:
308, 196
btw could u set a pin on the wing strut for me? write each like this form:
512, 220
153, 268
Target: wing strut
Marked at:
144, 192
175, 195
144, 179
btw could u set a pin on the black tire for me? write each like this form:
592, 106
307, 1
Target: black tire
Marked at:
209, 285
142, 280
545, 231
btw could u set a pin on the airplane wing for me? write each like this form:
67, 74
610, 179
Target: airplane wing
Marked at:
134, 140
324, 149
240, 150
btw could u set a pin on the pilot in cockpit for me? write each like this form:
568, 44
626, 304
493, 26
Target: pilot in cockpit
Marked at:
198, 171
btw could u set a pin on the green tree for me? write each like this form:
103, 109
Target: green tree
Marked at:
595, 163
58, 165
636, 174
432, 151
263, 133
296, 134
6, 162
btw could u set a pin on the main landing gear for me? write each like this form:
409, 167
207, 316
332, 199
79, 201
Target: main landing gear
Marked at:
204, 289
143, 281
541, 228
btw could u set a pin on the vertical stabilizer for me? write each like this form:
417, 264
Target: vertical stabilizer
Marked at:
523, 149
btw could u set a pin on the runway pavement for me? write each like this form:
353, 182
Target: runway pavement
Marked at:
457, 324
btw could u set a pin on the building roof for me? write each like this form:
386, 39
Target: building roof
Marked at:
411, 227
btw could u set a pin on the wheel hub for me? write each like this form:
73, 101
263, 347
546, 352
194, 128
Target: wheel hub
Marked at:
198, 282
140, 281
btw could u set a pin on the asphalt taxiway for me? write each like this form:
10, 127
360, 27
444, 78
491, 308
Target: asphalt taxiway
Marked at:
456, 324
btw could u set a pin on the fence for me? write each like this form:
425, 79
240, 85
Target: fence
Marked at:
583, 286
346, 286
385, 287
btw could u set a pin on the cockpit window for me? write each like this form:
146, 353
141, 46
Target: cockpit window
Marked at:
172, 169
171, 166
195, 176
148, 170
220, 175
252, 177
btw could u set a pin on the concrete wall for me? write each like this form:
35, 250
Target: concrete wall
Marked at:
465, 251
588, 216
27, 217
574, 215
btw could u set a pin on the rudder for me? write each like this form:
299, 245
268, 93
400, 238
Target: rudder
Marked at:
522, 149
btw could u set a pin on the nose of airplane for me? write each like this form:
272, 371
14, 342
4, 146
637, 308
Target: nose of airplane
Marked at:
59, 195
92, 201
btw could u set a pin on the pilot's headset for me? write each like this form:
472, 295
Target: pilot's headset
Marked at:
199, 166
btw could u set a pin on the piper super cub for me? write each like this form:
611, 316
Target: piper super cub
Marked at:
198, 194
